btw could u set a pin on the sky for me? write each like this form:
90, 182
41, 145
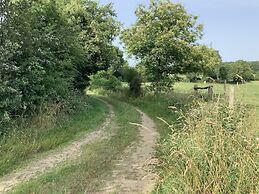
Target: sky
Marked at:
230, 26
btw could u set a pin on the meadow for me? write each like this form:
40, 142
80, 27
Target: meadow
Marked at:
246, 93
204, 147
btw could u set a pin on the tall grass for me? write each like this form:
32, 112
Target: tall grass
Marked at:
48, 131
214, 150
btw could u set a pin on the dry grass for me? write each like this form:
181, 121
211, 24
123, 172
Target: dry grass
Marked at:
47, 132
214, 151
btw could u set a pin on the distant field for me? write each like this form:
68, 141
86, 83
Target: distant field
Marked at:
247, 93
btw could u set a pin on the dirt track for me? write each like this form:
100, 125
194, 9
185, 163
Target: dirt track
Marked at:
134, 171
132, 174
40, 165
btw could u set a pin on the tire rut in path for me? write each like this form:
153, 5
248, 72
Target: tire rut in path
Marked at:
40, 165
133, 173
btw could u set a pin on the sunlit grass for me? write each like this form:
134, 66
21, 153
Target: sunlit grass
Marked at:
215, 151
247, 93
23, 144
88, 173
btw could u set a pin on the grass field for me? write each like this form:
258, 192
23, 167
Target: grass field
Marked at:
97, 161
247, 93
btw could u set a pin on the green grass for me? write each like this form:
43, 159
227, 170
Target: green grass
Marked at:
97, 161
24, 144
247, 93
197, 157
157, 106
203, 157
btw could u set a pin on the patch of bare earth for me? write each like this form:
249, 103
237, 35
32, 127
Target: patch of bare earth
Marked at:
133, 173
38, 166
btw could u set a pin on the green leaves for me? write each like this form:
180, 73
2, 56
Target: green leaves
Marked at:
164, 39
50, 48
238, 71
97, 27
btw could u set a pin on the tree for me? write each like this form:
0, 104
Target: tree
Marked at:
223, 73
105, 80
239, 71
164, 39
97, 28
49, 49
133, 77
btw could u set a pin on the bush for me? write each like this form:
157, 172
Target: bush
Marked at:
257, 75
134, 80
215, 151
105, 80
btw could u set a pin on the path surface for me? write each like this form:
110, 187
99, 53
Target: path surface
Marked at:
40, 165
133, 174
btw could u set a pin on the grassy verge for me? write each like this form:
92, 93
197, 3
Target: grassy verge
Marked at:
214, 152
158, 106
20, 145
96, 162
207, 148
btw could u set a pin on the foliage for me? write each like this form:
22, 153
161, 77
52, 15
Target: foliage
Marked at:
256, 75
38, 68
254, 65
97, 27
239, 71
212, 74
223, 73
214, 151
48, 51
164, 39
133, 77
105, 80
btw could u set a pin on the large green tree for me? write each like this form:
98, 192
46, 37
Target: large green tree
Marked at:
164, 38
97, 28
239, 71
48, 50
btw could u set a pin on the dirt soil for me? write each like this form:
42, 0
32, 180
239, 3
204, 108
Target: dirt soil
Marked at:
133, 174
40, 165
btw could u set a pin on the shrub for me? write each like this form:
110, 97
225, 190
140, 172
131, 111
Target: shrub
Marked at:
214, 151
134, 80
257, 75
105, 80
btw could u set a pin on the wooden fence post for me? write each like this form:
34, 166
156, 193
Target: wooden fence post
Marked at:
209, 88
210, 92
225, 87
231, 97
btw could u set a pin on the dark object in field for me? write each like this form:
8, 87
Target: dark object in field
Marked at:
209, 88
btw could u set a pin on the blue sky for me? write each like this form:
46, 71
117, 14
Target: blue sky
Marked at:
230, 26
